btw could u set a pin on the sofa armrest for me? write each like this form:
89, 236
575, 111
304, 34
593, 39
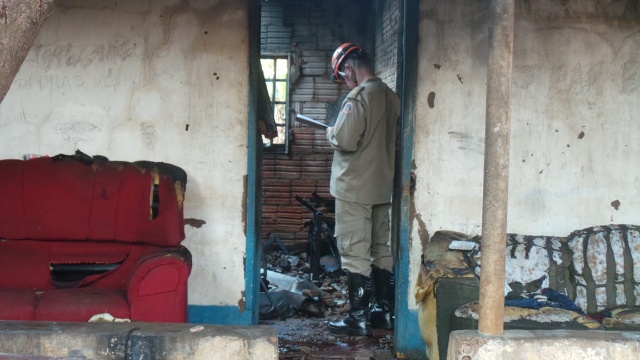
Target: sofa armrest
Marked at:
438, 295
157, 286
445, 282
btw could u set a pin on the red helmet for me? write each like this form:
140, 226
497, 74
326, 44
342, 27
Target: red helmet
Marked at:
338, 58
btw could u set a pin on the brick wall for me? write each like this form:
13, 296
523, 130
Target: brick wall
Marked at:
388, 39
307, 166
306, 169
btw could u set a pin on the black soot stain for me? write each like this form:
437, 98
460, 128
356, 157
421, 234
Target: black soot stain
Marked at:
615, 204
430, 99
196, 223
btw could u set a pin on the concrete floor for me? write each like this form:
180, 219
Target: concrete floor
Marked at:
303, 336
308, 338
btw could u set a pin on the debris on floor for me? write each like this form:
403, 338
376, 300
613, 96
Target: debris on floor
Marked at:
282, 295
302, 309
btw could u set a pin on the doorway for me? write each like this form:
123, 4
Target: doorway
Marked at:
297, 161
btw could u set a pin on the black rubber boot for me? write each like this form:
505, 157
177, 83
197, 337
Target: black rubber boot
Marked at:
356, 321
381, 315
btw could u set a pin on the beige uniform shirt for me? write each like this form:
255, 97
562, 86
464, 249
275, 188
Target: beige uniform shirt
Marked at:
364, 141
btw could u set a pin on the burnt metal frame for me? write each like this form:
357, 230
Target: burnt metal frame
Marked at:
318, 234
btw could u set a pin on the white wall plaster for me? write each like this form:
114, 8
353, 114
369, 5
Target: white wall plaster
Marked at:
569, 78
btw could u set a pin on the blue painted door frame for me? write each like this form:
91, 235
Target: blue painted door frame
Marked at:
408, 340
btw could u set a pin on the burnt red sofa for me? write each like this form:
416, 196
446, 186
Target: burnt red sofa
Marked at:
82, 235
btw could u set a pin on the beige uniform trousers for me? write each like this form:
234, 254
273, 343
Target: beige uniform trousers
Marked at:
363, 235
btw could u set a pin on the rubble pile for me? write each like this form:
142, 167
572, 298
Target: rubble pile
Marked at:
325, 296
302, 308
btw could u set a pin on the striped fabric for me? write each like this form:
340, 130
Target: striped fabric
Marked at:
533, 263
606, 266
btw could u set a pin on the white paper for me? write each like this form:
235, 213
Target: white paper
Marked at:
462, 245
311, 122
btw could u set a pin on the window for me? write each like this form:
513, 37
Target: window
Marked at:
276, 75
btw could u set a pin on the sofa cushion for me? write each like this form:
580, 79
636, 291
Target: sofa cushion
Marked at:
623, 319
606, 263
63, 198
31, 264
25, 264
526, 318
532, 263
17, 304
80, 304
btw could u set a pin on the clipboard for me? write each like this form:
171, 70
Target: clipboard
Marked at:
311, 122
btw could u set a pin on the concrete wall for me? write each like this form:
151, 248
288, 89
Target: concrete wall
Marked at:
35, 340
575, 126
162, 81
545, 344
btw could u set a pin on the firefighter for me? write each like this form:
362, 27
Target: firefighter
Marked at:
364, 142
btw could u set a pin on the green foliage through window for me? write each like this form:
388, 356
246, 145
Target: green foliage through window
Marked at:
276, 75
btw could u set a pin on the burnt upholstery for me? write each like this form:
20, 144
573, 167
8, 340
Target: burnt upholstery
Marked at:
596, 268
84, 236
65, 199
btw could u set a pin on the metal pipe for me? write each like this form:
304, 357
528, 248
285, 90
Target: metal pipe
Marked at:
496, 167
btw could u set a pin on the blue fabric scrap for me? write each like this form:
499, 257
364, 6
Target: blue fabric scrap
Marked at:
554, 299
